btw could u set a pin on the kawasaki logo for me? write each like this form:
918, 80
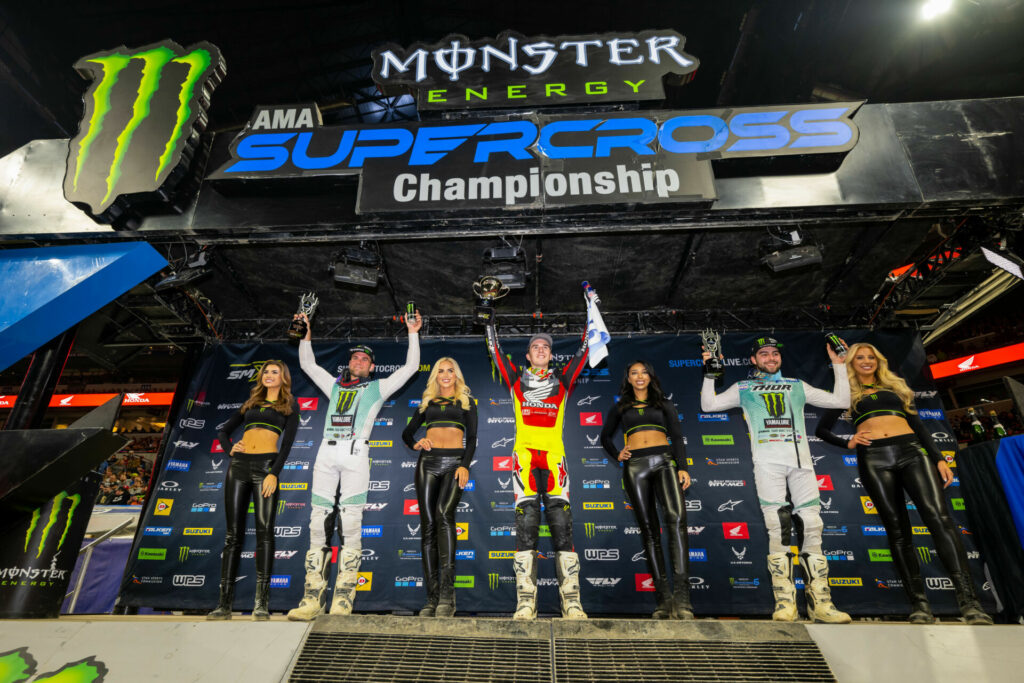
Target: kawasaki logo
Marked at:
144, 110
56, 505
774, 403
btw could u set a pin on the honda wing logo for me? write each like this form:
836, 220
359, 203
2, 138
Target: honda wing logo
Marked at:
968, 365
144, 111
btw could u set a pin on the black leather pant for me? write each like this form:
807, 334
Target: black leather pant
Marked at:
888, 467
438, 495
650, 476
243, 484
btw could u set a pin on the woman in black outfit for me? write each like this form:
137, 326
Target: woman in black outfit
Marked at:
448, 411
270, 414
896, 454
650, 425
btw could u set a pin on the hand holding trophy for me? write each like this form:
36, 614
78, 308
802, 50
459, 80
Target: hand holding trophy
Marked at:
307, 306
712, 345
488, 289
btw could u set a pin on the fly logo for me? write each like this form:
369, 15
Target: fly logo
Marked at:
774, 403
603, 582
735, 530
591, 419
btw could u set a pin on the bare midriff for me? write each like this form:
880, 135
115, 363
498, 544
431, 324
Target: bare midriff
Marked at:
445, 437
259, 440
884, 426
646, 439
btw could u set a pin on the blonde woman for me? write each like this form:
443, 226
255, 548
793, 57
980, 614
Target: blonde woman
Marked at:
270, 415
896, 456
448, 412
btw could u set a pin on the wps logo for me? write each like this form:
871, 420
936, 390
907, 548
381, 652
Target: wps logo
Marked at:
56, 506
188, 580
735, 530
601, 554
144, 110
774, 403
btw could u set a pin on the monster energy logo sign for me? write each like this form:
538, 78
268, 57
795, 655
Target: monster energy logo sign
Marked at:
924, 553
588, 528
492, 581
143, 114
55, 508
774, 403
345, 400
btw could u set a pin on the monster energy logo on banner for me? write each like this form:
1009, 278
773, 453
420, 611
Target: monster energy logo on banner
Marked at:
55, 507
143, 114
492, 581
588, 528
924, 553
774, 403
280, 507
183, 553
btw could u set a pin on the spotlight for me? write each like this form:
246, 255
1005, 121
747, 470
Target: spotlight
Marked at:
788, 250
194, 270
933, 8
507, 264
356, 266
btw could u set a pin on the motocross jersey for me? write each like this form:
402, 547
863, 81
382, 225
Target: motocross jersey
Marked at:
773, 407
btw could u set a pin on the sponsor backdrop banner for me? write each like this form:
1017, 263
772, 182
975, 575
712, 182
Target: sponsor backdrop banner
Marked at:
176, 563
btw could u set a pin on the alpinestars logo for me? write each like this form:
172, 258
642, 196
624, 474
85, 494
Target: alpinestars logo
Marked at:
143, 114
774, 403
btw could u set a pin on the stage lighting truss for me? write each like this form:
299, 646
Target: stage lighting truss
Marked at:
357, 266
190, 270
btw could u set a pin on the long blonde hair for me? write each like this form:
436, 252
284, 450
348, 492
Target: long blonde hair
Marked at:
432, 391
884, 378
258, 394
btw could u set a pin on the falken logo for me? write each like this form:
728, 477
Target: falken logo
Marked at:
157, 531
712, 417
873, 530
144, 109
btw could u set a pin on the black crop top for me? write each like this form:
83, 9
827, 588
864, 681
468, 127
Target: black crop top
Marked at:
263, 416
883, 402
638, 417
445, 412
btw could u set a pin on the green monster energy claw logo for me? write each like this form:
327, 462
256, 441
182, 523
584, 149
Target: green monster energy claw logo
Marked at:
345, 400
924, 553
774, 403
492, 581
144, 109
18, 665
183, 553
588, 529
55, 507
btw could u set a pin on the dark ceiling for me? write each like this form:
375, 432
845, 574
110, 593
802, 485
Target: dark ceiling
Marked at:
784, 51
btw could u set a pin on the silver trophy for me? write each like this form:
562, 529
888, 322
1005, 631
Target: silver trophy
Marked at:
712, 342
307, 304
488, 289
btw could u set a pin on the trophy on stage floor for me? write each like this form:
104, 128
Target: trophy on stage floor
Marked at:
712, 342
488, 289
307, 304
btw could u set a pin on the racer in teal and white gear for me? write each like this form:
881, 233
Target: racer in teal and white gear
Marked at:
343, 465
773, 407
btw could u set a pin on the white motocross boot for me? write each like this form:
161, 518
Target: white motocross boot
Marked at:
780, 566
525, 565
817, 593
348, 580
567, 565
313, 600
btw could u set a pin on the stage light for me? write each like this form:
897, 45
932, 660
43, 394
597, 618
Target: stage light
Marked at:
507, 264
194, 270
786, 250
999, 261
933, 8
356, 266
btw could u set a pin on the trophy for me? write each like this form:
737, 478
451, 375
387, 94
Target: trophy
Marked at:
488, 289
712, 342
307, 304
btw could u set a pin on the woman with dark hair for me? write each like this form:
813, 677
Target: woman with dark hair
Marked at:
270, 418
448, 411
896, 456
650, 425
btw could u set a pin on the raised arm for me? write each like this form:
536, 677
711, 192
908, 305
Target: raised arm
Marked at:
323, 380
840, 396
506, 368
575, 365
396, 379
711, 402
